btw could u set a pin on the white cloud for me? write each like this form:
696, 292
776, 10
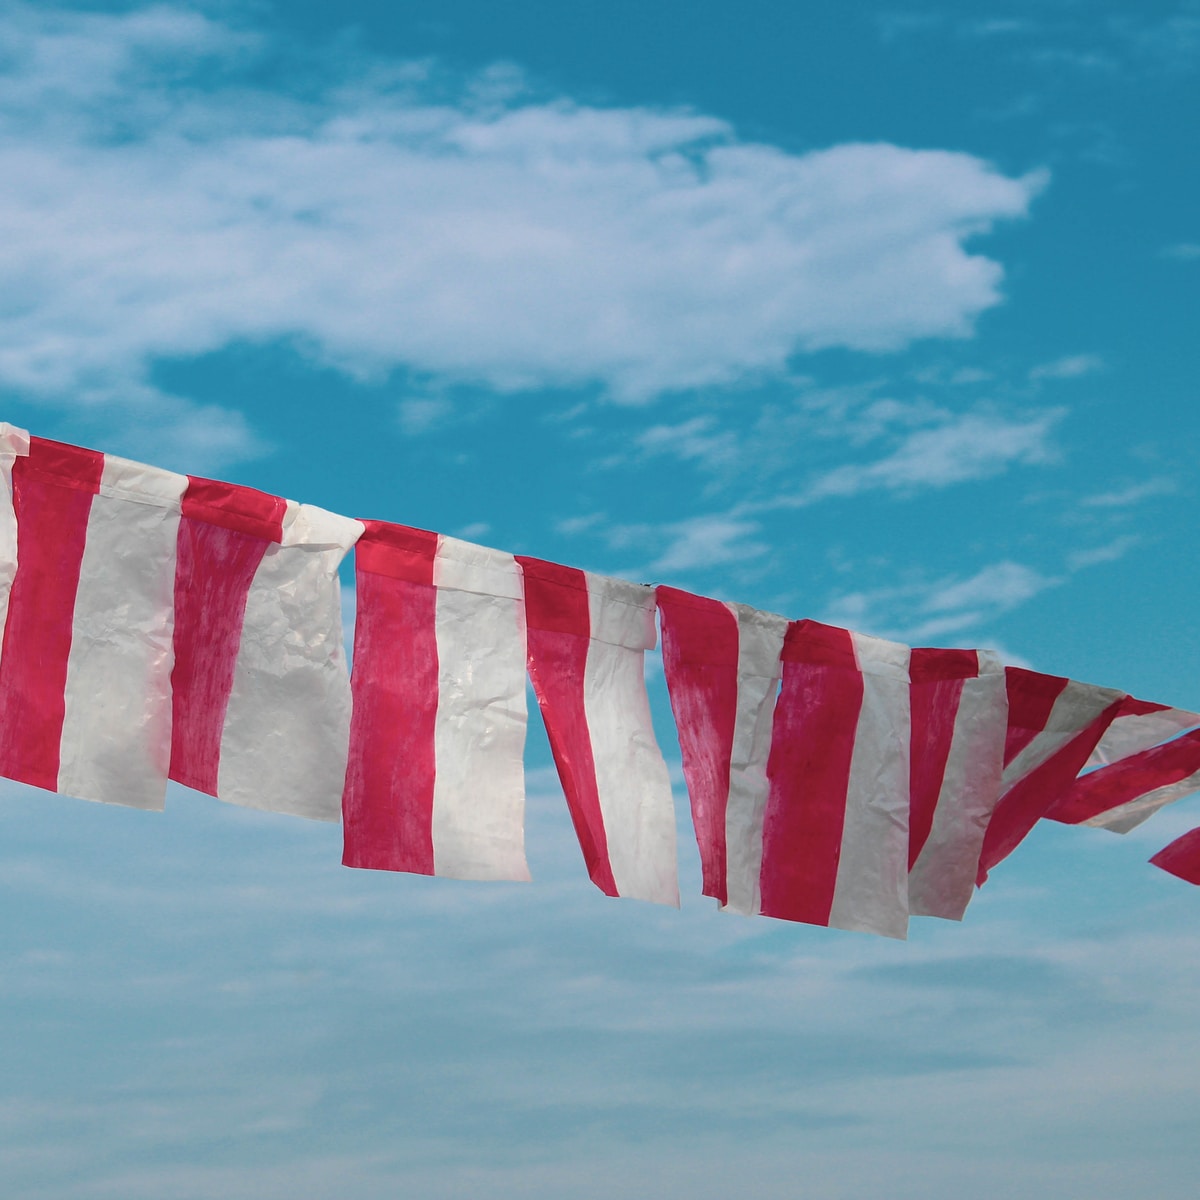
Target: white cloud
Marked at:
708, 541
659, 551
1070, 367
1133, 494
695, 440
925, 610
156, 202
1110, 552
1182, 251
971, 446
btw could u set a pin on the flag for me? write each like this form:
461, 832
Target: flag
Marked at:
1054, 725
14, 443
959, 720
835, 830
587, 641
85, 701
722, 665
435, 783
1139, 766
260, 688
1182, 857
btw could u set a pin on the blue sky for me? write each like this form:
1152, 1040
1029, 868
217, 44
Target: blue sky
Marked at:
878, 314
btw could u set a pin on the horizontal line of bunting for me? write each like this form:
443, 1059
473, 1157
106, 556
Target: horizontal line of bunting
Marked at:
160, 626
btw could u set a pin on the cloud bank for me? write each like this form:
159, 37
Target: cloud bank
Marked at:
159, 200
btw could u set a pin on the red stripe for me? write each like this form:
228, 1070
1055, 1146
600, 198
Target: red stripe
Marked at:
52, 494
1140, 708
812, 744
937, 683
387, 807
1181, 857
398, 551
231, 506
700, 661
559, 629
1109, 787
1031, 696
224, 532
1032, 796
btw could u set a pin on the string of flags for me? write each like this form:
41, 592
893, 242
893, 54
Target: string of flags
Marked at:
162, 627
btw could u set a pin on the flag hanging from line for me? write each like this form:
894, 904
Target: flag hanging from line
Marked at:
1054, 726
1139, 766
959, 719
436, 781
1182, 857
835, 830
260, 687
587, 641
86, 661
161, 625
723, 664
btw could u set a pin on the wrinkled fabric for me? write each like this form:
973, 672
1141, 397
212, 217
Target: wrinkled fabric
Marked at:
959, 720
835, 831
1139, 766
722, 665
587, 641
261, 689
85, 672
1054, 726
436, 783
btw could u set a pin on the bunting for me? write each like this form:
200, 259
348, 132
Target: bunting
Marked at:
436, 781
835, 828
260, 686
85, 668
1054, 725
587, 641
160, 626
959, 721
722, 664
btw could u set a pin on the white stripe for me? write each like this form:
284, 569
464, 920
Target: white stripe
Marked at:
1076, 707
760, 644
479, 740
631, 775
287, 728
14, 444
1131, 735
116, 734
1133, 812
871, 893
942, 880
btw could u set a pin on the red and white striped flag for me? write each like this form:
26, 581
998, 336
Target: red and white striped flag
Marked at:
1054, 725
1182, 857
835, 831
587, 641
14, 443
85, 668
959, 720
722, 664
1139, 766
260, 688
436, 781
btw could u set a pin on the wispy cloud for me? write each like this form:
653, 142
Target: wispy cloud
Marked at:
1080, 560
1134, 493
972, 446
1073, 366
678, 547
1182, 251
937, 609
161, 202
